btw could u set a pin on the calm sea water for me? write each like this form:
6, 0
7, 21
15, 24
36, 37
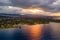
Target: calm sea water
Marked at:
49, 31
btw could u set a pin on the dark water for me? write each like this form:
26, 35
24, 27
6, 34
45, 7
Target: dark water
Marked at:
49, 31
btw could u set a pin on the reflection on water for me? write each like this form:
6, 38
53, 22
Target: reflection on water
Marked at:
35, 31
49, 31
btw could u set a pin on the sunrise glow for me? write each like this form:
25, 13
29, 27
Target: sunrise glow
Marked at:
10, 7
31, 10
54, 14
34, 10
35, 31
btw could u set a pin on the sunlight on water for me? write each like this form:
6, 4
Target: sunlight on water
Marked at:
49, 31
35, 31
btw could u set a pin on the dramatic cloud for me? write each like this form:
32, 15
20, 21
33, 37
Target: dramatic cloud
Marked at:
8, 9
33, 3
5, 2
55, 6
47, 5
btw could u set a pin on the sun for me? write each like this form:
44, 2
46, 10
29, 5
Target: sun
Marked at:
10, 7
31, 10
34, 10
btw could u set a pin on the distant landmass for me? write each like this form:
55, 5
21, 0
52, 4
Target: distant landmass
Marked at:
8, 20
30, 16
6, 14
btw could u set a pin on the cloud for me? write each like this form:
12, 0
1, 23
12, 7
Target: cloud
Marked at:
5, 2
8, 9
47, 5
34, 3
55, 5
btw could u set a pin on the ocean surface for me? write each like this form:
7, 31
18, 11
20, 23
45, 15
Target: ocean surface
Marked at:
49, 31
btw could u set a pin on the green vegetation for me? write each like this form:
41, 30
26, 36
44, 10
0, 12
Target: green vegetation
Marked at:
8, 23
11, 23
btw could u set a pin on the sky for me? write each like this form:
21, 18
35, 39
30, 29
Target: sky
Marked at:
52, 6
